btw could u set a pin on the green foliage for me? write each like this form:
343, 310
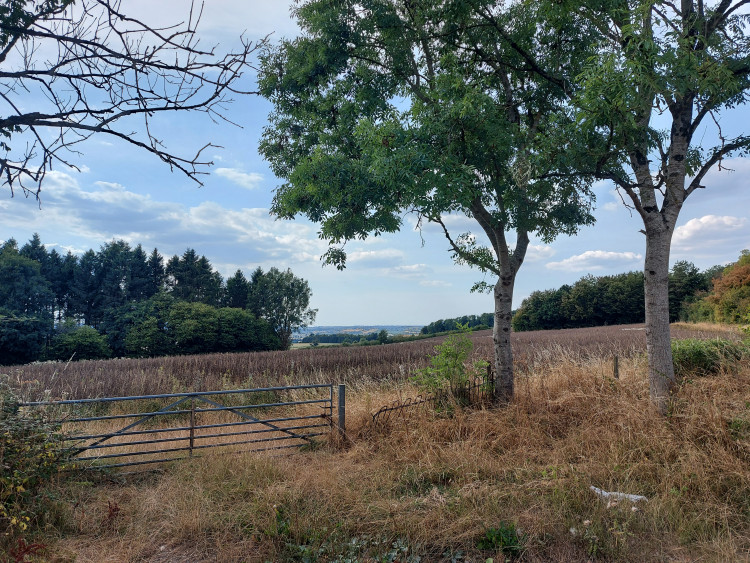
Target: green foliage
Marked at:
31, 453
281, 299
22, 338
80, 343
474, 322
448, 367
693, 357
618, 299
506, 538
142, 308
729, 298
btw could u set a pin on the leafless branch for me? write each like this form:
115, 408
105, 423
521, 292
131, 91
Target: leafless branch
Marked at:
85, 68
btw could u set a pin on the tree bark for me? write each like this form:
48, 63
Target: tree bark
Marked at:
501, 336
658, 338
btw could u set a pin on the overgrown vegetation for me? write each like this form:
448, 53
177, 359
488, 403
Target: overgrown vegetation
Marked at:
501, 483
31, 453
695, 357
729, 298
449, 365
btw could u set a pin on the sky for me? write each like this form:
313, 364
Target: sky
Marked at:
406, 278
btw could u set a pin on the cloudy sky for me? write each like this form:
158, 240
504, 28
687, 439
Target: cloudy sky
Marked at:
408, 278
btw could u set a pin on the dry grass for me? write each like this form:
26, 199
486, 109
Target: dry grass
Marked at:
354, 365
433, 486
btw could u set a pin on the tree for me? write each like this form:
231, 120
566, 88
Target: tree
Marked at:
236, 292
85, 296
685, 280
283, 300
23, 289
101, 71
192, 278
381, 108
156, 274
660, 70
22, 338
731, 292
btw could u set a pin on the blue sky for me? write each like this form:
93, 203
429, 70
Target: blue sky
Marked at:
124, 193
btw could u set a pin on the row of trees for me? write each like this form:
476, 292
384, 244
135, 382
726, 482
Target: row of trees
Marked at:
505, 113
139, 304
474, 322
618, 299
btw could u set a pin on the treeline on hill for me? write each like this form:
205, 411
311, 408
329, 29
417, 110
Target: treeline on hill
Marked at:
123, 302
618, 299
473, 322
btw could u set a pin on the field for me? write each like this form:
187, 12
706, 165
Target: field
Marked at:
354, 365
498, 483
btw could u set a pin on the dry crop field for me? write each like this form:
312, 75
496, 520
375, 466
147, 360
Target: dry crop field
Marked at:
504, 484
352, 365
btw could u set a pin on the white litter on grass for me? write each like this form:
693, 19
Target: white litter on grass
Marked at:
617, 496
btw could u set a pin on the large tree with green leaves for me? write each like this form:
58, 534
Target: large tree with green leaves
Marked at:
661, 76
381, 108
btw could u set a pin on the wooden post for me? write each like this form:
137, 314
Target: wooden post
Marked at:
342, 410
616, 367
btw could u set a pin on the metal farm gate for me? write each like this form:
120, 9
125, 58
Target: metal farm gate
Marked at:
127, 431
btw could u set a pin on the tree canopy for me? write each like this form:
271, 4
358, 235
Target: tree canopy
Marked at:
381, 109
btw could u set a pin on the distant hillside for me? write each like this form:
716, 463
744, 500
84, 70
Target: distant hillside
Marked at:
356, 330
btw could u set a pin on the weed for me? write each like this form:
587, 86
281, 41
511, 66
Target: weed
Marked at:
506, 538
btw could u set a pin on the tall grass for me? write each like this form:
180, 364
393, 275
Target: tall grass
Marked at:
445, 489
353, 364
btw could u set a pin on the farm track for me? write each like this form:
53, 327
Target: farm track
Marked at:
352, 365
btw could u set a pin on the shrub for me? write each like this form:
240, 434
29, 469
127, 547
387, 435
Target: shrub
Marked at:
706, 357
449, 365
31, 452
81, 343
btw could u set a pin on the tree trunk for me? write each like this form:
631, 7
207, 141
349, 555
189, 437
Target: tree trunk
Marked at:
501, 336
658, 339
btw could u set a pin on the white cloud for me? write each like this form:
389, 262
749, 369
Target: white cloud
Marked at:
595, 260
435, 283
106, 210
388, 257
410, 271
246, 180
712, 233
537, 252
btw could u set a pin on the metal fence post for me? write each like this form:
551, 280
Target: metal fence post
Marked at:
192, 425
342, 409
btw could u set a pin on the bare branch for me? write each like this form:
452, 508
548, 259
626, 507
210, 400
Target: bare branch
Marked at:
103, 69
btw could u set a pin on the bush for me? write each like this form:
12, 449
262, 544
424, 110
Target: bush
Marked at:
81, 343
448, 367
31, 452
693, 357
